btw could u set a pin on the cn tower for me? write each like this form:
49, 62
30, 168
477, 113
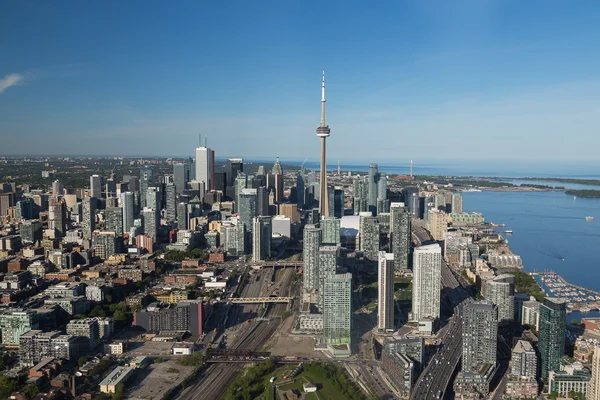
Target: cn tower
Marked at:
323, 133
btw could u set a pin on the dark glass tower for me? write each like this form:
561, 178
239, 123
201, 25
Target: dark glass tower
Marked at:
553, 325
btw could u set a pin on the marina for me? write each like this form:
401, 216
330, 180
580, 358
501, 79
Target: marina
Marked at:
578, 298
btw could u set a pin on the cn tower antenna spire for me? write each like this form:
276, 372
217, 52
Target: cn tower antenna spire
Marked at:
323, 123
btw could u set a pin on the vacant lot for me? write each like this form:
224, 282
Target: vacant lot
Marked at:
153, 382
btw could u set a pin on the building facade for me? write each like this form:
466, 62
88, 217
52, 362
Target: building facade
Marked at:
427, 270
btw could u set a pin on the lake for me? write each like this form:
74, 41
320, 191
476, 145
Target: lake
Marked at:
547, 228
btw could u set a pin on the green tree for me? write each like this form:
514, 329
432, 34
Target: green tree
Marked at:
98, 311
31, 390
119, 392
120, 315
7, 386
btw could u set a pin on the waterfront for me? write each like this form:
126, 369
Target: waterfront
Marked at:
549, 231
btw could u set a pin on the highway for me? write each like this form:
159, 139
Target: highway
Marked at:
245, 330
433, 381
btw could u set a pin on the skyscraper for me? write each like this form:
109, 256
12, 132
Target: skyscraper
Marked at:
234, 165
501, 291
373, 190
553, 322
385, 310
331, 231
400, 235
88, 220
127, 203
369, 236
523, 361
328, 261
181, 176
337, 309
150, 222
457, 203
153, 197
262, 201
182, 216
96, 186
57, 217
114, 220
427, 270
323, 132
146, 180
593, 392
479, 334
311, 244
300, 200
247, 211
261, 238
203, 166
171, 203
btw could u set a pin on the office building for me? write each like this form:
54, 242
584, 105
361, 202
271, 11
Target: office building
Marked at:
480, 334
247, 211
400, 241
14, 323
182, 216
128, 206
261, 238
501, 291
181, 177
337, 309
551, 344
57, 217
427, 270
185, 316
114, 220
262, 201
323, 132
523, 361
146, 181
385, 298
300, 189
27, 209
203, 166
171, 203
30, 231
369, 233
311, 244
7, 200
96, 184
373, 190
331, 231
88, 219
36, 345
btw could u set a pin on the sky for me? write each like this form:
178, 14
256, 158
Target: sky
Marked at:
423, 80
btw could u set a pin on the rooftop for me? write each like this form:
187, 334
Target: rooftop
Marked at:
116, 376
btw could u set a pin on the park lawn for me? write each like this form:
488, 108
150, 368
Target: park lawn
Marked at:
327, 389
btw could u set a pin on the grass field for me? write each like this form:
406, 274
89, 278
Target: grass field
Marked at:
326, 389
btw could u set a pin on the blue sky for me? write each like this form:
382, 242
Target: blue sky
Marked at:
421, 79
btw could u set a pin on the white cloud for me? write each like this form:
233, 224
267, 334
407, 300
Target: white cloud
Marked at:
10, 80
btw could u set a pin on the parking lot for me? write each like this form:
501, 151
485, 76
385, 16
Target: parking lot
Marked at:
154, 381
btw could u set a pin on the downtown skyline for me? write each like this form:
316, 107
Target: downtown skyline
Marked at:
418, 78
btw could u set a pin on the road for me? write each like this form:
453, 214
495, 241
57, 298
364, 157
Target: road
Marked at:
433, 381
245, 330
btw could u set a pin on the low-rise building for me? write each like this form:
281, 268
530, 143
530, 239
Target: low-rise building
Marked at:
571, 378
118, 375
182, 348
115, 348
524, 387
